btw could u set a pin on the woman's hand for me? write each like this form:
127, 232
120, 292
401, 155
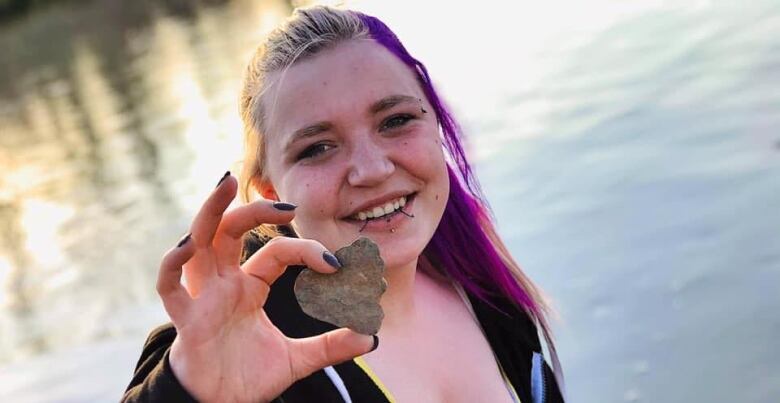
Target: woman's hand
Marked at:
227, 349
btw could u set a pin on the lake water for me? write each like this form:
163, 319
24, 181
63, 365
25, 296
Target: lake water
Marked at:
631, 154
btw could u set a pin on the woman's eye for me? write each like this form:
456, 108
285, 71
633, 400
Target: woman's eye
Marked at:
313, 151
396, 121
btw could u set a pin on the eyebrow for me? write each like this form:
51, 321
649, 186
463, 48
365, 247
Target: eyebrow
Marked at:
391, 101
378, 106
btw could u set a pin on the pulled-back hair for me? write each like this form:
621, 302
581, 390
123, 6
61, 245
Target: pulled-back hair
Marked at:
465, 246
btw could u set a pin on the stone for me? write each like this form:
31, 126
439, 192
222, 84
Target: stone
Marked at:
350, 297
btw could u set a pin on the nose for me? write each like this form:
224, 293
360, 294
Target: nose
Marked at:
369, 165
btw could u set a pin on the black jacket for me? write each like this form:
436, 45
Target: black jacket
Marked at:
510, 333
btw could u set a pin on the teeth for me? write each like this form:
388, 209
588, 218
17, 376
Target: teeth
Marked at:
379, 211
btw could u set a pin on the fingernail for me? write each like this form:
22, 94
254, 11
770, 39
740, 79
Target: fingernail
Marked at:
184, 240
284, 206
223, 178
376, 342
331, 259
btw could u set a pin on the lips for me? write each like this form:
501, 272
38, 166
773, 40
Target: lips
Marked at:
380, 207
381, 211
388, 223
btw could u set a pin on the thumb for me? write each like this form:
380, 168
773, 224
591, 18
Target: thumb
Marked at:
314, 353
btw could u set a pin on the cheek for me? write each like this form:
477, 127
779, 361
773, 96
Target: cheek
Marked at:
314, 193
424, 158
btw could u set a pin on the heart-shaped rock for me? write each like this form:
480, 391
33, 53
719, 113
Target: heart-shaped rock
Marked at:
349, 297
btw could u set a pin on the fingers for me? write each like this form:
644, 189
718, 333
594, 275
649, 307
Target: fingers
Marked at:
331, 348
174, 296
206, 222
228, 240
270, 261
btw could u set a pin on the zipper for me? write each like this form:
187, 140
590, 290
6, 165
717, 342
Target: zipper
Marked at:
544, 381
538, 379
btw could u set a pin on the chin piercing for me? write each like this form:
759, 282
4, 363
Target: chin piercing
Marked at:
392, 230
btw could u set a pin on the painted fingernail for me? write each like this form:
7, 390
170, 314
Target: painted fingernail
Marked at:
331, 259
184, 240
376, 342
284, 206
223, 178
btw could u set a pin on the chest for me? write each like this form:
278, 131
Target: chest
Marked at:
446, 360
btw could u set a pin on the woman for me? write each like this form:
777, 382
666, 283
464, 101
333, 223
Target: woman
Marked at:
345, 137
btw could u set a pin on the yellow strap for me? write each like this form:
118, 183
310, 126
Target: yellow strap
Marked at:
371, 374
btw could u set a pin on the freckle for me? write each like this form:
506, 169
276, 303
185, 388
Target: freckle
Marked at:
322, 211
437, 197
307, 185
406, 143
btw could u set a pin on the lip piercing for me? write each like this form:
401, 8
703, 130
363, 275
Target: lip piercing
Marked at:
392, 230
400, 210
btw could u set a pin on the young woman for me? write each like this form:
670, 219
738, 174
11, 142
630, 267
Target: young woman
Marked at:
345, 137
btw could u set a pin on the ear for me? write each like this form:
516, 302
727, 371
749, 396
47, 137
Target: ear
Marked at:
266, 189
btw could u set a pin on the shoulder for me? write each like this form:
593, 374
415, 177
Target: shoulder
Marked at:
497, 314
514, 338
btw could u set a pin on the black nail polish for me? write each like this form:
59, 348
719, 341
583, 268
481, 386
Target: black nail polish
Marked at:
184, 240
223, 178
331, 259
376, 342
284, 206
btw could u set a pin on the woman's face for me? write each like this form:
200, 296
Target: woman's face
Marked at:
347, 138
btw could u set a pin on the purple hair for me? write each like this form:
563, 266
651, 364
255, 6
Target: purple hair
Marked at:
462, 244
459, 240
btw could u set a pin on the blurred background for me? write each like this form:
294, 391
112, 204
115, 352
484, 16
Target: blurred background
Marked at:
630, 151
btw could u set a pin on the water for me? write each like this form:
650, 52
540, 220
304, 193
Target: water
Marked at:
630, 153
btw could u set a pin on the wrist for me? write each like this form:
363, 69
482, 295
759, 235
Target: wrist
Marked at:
182, 370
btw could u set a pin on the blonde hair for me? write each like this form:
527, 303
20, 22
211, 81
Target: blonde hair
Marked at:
306, 33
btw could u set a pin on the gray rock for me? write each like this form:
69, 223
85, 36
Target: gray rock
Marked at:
350, 297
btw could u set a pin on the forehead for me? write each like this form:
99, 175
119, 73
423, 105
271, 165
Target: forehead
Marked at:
334, 84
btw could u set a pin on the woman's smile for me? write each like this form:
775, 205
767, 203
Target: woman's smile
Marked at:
383, 216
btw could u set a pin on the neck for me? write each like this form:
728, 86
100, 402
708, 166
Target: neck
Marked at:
398, 301
406, 288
